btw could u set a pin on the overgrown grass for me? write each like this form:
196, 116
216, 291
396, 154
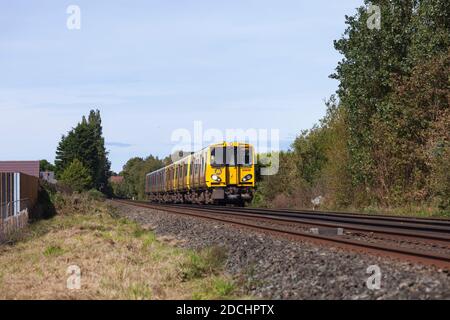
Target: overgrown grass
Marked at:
213, 288
207, 261
118, 259
53, 251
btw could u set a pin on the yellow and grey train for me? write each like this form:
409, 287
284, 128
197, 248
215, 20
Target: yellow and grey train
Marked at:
218, 174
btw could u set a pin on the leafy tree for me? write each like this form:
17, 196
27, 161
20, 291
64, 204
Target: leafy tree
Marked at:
134, 172
383, 125
44, 165
412, 138
86, 143
76, 176
102, 166
371, 57
385, 141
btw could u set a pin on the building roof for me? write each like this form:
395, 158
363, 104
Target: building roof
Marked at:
116, 179
27, 167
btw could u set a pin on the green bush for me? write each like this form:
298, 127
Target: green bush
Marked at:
208, 261
95, 195
76, 176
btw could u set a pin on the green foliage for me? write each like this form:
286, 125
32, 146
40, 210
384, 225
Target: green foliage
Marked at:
44, 165
412, 136
86, 143
207, 261
286, 182
76, 176
411, 31
223, 287
95, 195
134, 172
53, 251
385, 142
394, 95
317, 166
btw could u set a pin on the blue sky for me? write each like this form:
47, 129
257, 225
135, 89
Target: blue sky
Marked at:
152, 67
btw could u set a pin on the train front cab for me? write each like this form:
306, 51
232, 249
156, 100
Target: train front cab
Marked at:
230, 172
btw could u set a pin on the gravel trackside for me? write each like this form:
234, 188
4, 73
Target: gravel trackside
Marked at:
271, 267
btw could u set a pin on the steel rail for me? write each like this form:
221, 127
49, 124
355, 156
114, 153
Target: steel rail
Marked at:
434, 225
433, 258
355, 224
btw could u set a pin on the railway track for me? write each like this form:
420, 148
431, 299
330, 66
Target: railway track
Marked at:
413, 227
416, 240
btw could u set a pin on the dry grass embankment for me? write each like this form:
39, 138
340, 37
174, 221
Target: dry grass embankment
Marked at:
118, 260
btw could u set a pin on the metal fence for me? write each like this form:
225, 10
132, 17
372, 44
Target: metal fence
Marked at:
18, 195
9, 194
9, 209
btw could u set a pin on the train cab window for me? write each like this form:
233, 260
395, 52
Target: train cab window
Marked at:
223, 156
217, 156
244, 156
231, 156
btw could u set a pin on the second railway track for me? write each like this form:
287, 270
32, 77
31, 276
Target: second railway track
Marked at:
416, 240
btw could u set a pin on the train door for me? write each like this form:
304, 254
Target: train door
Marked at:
168, 179
174, 181
194, 171
191, 172
180, 174
163, 180
232, 167
197, 170
188, 173
177, 182
185, 174
202, 168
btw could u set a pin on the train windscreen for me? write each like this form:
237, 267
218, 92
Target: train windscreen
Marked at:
231, 156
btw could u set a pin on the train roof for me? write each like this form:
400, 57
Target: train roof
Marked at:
223, 144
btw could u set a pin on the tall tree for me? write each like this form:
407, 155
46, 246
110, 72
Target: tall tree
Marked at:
371, 57
85, 142
103, 167
384, 127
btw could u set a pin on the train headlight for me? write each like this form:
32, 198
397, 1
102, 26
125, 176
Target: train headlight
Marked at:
247, 177
216, 178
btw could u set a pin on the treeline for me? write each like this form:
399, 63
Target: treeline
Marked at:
385, 141
133, 173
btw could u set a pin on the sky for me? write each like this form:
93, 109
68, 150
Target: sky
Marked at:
155, 67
